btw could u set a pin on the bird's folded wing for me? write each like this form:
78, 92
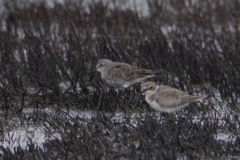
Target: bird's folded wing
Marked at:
121, 71
169, 99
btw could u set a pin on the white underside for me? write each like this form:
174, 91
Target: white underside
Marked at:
157, 107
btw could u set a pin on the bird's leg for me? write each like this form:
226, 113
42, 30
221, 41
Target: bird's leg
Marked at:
171, 118
130, 97
99, 100
128, 109
120, 96
100, 97
184, 111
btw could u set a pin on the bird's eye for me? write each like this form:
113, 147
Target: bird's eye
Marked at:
100, 65
150, 87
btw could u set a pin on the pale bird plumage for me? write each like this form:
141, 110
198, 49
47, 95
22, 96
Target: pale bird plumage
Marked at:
167, 99
117, 74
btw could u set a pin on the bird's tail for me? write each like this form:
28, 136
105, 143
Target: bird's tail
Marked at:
158, 72
191, 98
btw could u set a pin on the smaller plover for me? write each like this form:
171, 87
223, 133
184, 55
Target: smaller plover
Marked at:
118, 74
167, 99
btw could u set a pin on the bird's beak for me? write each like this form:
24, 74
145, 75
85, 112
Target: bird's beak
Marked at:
91, 74
92, 71
145, 90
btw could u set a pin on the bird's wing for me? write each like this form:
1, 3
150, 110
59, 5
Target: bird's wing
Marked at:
120, 71
169, 99
190, 98
139, 73
127, 72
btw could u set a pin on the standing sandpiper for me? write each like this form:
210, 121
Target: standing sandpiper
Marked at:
167, 99
118, 74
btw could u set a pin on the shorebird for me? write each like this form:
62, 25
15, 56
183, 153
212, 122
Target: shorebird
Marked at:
167, 99
117, 74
